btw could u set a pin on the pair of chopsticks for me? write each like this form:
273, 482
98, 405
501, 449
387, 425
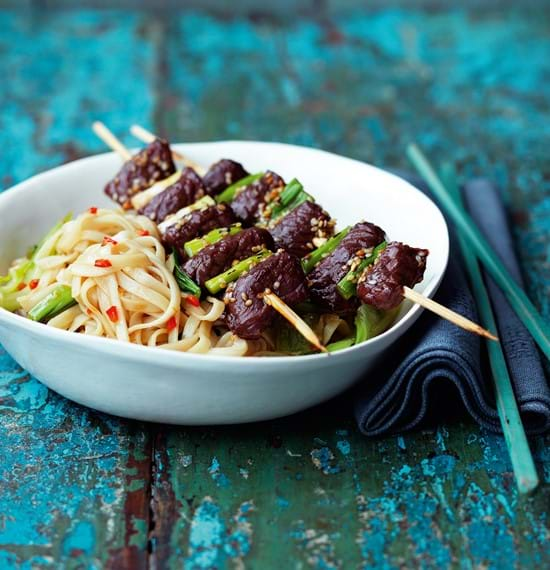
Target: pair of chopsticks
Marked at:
475, 249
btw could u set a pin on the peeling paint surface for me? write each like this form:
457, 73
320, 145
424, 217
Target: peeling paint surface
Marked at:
84, 490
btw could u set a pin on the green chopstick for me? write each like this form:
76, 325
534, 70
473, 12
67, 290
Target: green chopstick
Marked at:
518, 299
514, 434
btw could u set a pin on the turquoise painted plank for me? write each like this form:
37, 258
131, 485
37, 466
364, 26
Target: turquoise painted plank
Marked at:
74, 482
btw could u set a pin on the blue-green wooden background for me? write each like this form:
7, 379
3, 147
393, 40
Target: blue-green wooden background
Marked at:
470, 82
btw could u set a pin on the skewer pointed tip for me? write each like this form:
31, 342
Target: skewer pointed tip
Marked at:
489, 335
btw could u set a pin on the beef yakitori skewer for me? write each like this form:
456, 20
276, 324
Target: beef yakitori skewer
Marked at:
147, 137
218, 257
219, 175
223, 174
150, 165
397, 266
324, 277
263, 198
280, 278
248, 201
182, 227
303, 229
390, 279
187, 189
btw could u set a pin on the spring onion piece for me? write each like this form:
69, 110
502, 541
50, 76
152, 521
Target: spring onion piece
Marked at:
219, 282
193, 246
183, 279
341, 344
313, 258
185, 283
287, 195
52, 304
12, 283
229, 193
204, 202
290, 198
347, 286
370, 322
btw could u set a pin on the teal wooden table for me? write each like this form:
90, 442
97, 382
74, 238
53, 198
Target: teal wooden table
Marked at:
84, 490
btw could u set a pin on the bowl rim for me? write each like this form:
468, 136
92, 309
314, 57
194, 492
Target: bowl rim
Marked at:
146, 353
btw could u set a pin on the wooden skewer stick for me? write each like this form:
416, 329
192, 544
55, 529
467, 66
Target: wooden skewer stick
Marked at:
295, 320
110, 140
446, 313
147, 136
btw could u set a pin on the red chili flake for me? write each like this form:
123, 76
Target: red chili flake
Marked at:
143, 233
33, 283
192, 300
110, 240
21, 286
89, 311
103, 263
112, 313
93, 210
171, 324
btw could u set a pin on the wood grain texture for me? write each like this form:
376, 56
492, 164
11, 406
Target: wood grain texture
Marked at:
75, 483
86, 490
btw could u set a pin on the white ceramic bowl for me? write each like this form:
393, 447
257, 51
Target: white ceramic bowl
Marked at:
157, 385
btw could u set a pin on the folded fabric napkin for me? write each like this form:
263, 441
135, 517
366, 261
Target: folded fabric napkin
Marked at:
436, 361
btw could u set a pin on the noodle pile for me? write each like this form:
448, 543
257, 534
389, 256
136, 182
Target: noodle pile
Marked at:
121, 279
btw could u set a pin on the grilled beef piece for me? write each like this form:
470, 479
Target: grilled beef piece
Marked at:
399, 265
188, 189
324, 278
216, 258
197, 223
148, 166
297, 231
249, 201
247, 315
222, 174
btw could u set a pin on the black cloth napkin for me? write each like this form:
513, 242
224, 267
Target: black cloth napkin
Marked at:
435, 362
